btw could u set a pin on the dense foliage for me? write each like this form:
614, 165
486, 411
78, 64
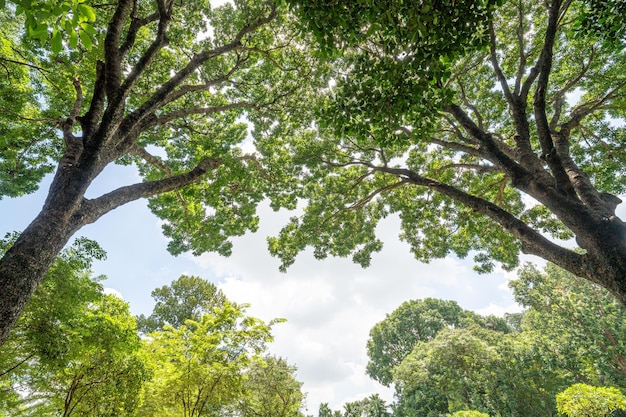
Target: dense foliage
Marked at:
563, 355
501, 139
77, 352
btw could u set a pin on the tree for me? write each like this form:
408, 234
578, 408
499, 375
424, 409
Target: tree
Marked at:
187, 298
394, 338
40, 342
571, 333
200, 368
154, 94
582, 323
583, 400
74, 351
271, 390
58, 20
106, 372
499, 135
468, 413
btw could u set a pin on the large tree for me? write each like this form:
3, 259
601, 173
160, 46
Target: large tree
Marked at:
166, 86
489, 129
394, 338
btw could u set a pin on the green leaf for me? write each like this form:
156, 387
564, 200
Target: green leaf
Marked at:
87, 11
73, 39
56, 42
86, 40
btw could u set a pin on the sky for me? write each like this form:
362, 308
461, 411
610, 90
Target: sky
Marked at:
330, 305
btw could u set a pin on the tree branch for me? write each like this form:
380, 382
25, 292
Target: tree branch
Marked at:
112, 56
532, 241
92, 210
157, 44
159, 97
548, 152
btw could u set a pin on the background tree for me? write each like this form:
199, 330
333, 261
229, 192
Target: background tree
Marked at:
468, 413
583, 400
570, 334
415, 321
271, 390
154, 94
582, 323
200, 367
450, 125
74, 351
186, 298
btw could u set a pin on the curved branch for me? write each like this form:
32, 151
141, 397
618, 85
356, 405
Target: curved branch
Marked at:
532, 241
92, 210
160, 96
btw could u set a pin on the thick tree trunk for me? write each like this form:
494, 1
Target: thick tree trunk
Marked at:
26, 263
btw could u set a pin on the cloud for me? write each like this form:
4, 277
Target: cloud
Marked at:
113, 291
331, 305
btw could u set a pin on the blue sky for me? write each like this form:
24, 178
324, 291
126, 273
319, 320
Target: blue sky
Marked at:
330, 305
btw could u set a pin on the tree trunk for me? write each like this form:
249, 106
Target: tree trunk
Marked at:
26, 263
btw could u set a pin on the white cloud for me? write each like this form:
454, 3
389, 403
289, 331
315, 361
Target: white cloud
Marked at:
113, 291
331, 305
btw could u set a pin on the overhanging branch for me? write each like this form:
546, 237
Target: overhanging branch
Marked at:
532, 241
92, 210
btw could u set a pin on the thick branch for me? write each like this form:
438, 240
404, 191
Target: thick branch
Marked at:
136, 24
532, 241
112, 57
539, 105
89, 121
159, 42
160, 96
92, 210
488, 146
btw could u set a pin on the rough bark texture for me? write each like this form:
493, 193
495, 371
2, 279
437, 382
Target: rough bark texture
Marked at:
108, 132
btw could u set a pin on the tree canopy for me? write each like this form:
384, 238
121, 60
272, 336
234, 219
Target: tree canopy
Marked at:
489, 127
503, 140
562, 355
77, 352
171, 88
186, 298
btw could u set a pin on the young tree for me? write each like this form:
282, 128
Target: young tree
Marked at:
200, 368
582, 400
489, 130
186, 298
165, 88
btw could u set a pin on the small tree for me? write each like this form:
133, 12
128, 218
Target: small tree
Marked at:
582, 400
